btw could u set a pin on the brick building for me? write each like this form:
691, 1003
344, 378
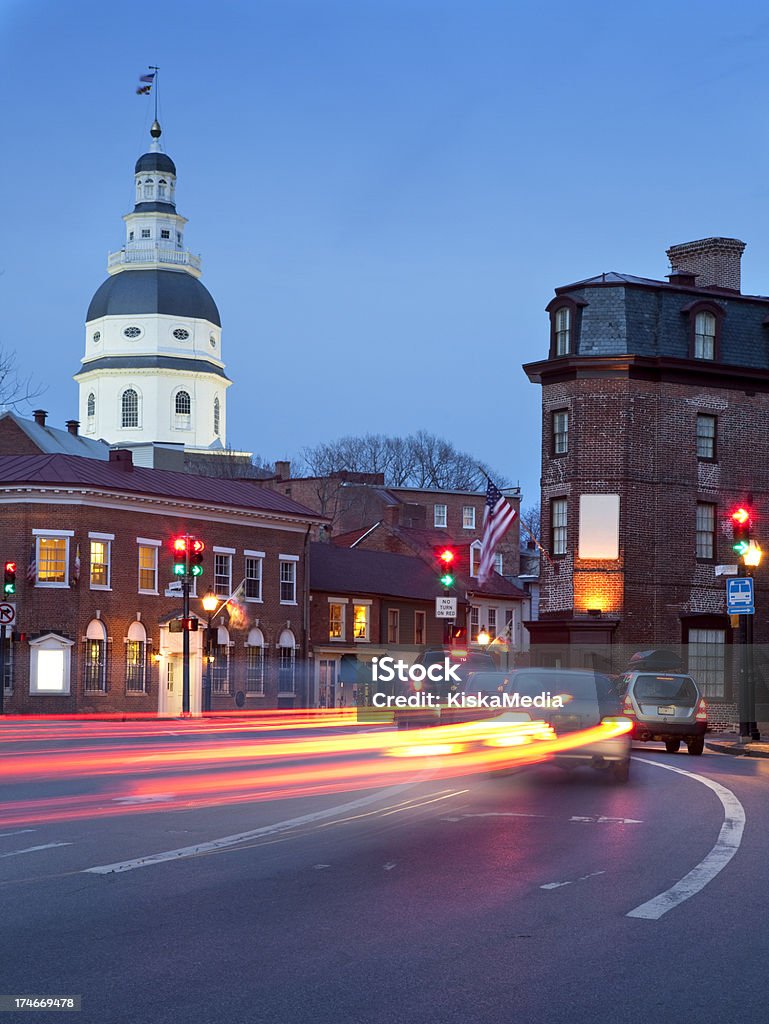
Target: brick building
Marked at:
655, 423
365, 604
356, 502
94, 597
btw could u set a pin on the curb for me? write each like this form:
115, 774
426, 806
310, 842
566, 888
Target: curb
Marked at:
738, 749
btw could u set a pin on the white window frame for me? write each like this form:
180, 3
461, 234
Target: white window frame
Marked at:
705, 339
223, 553
475, 558
50, 642
393, 616
560, 432
559, 531
256, 556
64, 535
423, 615
342, 603
145, 542
468, 517
287, 560
562, 331
261, 649
440, 516
475, 623
106, 539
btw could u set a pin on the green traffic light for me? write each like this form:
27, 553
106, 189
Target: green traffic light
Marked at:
180, 569
196, 570
447, 580
10, 588
741, 547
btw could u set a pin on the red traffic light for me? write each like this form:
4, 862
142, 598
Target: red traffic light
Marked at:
741, 515
10, 567
196, 545
179, 544
447, 556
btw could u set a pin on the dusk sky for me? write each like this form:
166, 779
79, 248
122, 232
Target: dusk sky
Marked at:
384, 193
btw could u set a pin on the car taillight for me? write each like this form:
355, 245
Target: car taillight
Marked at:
627, 707
701, 715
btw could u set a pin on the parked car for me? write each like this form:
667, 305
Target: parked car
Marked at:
465, 665
665, 706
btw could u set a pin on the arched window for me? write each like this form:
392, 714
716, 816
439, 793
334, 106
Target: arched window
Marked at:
255, 661
91, 404
287, 662
216, 416
90, 413
705, 335
475, 557
95, 657
149, 188
182, 410
162, 188
136, 659
220, 668
130, 408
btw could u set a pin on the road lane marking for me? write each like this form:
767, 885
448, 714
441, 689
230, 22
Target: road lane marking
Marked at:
33, 849
582, 878
617, 821
389, 865
241, 837
727, 844
19, 833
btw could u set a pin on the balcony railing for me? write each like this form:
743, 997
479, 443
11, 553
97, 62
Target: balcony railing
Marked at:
154, 254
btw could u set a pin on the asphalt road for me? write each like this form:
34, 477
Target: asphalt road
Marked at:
480, 899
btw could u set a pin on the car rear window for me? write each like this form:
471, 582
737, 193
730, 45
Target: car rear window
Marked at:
580, 685
670, 689
486, 682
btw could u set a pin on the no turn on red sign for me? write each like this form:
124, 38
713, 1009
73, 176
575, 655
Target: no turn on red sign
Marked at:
7, 613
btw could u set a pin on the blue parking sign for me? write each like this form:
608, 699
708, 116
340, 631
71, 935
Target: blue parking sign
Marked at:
739, 596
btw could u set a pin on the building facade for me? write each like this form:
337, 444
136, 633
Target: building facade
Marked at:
655, 424
96, 598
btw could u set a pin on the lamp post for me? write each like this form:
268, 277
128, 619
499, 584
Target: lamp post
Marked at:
483, 638
210, 601
752, 560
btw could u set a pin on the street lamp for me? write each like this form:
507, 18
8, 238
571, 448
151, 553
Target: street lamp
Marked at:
210, 601
483, 637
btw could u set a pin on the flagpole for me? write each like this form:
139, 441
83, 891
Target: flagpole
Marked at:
152, 67
522, 522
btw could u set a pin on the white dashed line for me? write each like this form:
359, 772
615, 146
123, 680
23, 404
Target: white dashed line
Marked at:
33, 849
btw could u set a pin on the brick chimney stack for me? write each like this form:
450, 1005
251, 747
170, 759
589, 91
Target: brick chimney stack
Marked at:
39, 416
73, 426
715, 262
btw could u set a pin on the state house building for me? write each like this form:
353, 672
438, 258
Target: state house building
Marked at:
655, 424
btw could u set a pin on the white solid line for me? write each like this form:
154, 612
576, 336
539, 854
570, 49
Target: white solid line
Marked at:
225, 841
727, 844
19, 833
33, 849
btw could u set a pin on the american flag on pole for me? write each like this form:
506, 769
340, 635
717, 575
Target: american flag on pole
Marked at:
498, 517
32, 565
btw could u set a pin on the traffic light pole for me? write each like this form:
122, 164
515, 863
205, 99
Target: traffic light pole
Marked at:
186, 645
2, 669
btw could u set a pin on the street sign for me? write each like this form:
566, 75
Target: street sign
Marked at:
727, 570
445, 607
7, 613
739, 596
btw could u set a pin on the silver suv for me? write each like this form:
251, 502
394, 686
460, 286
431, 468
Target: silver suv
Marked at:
665, 706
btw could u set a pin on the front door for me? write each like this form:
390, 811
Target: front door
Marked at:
328, 669
173, 695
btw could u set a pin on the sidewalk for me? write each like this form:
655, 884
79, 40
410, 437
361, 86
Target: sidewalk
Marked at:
729, 743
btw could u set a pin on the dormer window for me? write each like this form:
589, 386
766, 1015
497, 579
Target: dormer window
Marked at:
704, 335
562, 331
705, 319
162, 188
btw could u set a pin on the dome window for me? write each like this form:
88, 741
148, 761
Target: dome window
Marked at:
132, 332
129, 408
180, 334
216, 416
91, 413
96, 337
212, 341
182, 410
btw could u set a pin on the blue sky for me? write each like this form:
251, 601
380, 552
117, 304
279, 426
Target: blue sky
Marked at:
384, 193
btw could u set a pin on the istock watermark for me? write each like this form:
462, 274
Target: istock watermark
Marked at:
387, 670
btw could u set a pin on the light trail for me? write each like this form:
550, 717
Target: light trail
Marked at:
217, 772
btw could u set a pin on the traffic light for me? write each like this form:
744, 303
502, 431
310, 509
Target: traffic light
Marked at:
9, 585
741, 523
181, 555
447, 558
196, 549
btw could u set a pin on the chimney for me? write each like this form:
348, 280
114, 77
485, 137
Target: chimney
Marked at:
39, 416
283, 470
122, 458
72, 426
392, 515
714, 262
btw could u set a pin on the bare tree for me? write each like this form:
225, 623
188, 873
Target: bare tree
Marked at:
15, 390
418, 460
531, 524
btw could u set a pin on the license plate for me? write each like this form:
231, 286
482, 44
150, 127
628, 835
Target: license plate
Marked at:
667, 710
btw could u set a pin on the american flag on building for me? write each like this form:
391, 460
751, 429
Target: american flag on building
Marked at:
32, 565
498, 516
